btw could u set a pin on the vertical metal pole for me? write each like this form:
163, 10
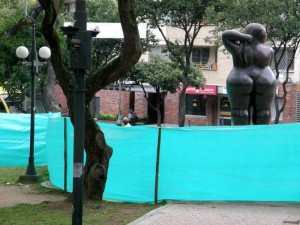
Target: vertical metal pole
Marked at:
79, 114
157, 166
34, 68
31, 176
80, 17
65, 156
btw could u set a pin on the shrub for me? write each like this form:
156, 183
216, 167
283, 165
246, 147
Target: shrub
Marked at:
109, 117
143, 119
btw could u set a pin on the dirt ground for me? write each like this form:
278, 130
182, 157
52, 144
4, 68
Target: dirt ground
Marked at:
11, 195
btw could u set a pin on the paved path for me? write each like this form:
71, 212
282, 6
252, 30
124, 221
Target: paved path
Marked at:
223, 213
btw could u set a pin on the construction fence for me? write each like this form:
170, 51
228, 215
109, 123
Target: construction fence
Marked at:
210, 163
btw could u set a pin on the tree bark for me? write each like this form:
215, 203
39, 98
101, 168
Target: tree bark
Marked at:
182, 105
98, 153
48, 91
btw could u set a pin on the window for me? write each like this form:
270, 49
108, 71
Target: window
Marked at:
286, 59
159, 51
200, 56
195, 105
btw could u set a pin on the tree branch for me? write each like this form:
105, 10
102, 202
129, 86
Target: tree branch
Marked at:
129, 56
62, 74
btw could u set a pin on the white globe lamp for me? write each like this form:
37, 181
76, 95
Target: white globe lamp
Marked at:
22, 52
44, 52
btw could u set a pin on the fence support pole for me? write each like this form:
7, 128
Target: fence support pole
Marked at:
157, 166
65, 156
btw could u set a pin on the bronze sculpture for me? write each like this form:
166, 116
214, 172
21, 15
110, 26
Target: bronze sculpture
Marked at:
251, 84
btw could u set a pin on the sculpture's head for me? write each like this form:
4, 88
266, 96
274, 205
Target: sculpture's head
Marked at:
257, 30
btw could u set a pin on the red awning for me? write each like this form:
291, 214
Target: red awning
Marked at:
205, 90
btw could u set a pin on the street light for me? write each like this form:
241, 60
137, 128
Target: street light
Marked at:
22, 52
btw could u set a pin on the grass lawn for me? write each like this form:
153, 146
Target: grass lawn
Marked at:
60, 213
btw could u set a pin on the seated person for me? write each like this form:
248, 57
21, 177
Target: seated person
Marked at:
126, 122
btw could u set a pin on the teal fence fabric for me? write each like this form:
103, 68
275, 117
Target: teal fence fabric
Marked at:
60, 151
15, 136
132, 167
244, 163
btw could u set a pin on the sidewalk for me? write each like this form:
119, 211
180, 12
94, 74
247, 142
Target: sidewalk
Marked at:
222, 213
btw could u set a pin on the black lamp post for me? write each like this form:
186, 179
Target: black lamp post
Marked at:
79, 45
22, 52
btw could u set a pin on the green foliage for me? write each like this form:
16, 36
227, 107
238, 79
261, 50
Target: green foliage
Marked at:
143, 119
104, 51
186, 15
109, 117
159, 73
195, 77
104, 11
281, 18
164, 76
11, 11
14, 77
173, 13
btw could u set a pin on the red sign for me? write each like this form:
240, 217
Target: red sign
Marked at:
205, 90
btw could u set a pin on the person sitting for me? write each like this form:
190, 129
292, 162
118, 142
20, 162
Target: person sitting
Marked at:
132, 117
126, 122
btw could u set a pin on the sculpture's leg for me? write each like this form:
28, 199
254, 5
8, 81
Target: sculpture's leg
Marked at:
240, 116
262, 105
239, 88
262, 116
265, 89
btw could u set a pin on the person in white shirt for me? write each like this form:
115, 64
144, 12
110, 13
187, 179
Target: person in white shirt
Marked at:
126, 122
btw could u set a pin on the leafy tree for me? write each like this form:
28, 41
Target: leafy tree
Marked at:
281, 19
164, 77
98, 152
104, 50
14, 77
17, 31
188, 16
105, 11
161, 75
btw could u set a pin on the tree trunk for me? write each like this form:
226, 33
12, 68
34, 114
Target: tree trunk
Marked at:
157, 109
98, 152
182, 104
97, 159
49, 96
